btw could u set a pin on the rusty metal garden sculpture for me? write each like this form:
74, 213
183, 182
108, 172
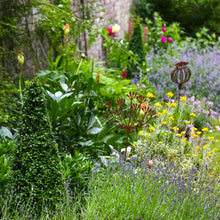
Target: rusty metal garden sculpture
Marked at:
180, 75
132, 118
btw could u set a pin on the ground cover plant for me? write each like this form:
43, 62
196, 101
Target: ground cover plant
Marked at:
154, 154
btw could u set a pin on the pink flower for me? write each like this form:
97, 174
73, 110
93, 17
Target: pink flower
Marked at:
163, 39
130, 27
110, 32
170, 40
163, 29
124, 74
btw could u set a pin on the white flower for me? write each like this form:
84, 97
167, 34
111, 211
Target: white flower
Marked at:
115, 28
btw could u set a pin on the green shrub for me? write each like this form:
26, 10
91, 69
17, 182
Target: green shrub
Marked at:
137, 47
36, 172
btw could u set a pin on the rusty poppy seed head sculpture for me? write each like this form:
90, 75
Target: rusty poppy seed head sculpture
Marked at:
180, 75
129, 118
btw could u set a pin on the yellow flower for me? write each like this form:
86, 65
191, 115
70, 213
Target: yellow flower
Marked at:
178, 135
194, 155
160, 142
187, 122
150, 95
159, 105
184, 139
173, 105
192, 114
165, 134
183, 132
140, 132
180, 164
170, 94
198, 132
194, 135
171, 118
215, 150
197, 148
175, 129
184, 168
183, 99
164, 123
211, 138
204, 147
164, 111
214, 168
168, 104
152, 129
205, 129
195, 129
115, 28
160, 114
147, 135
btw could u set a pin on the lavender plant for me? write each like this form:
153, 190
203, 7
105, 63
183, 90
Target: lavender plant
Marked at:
204, 65
125, 191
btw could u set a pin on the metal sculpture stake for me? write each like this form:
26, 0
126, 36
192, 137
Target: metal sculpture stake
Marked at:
180, 75
129, 119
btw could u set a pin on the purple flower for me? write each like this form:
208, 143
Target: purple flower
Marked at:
209, 103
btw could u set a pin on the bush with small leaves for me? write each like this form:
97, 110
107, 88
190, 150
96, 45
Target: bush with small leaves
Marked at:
36, 171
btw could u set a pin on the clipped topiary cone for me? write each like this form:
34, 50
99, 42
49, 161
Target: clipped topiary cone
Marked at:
36, 173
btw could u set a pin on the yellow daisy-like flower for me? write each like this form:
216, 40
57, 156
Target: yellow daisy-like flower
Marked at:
178, 135
171, 118
150, 95
198, 132
164, 111
187, 122
183, 132
152, 129
197, 148
147, 135
184, 139
160, 142
166, 134
160, 114
159, 105
194, 155
192, 114
194, 135
164, 123
184, 168
173, 105
215, 150
168, 104
183, 99
205, 129
140, 132
204, 147
195, 129
211, 138
170, 94
175, 129
180, 164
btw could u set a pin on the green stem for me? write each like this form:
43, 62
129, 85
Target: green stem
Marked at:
20, 89
77, 71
